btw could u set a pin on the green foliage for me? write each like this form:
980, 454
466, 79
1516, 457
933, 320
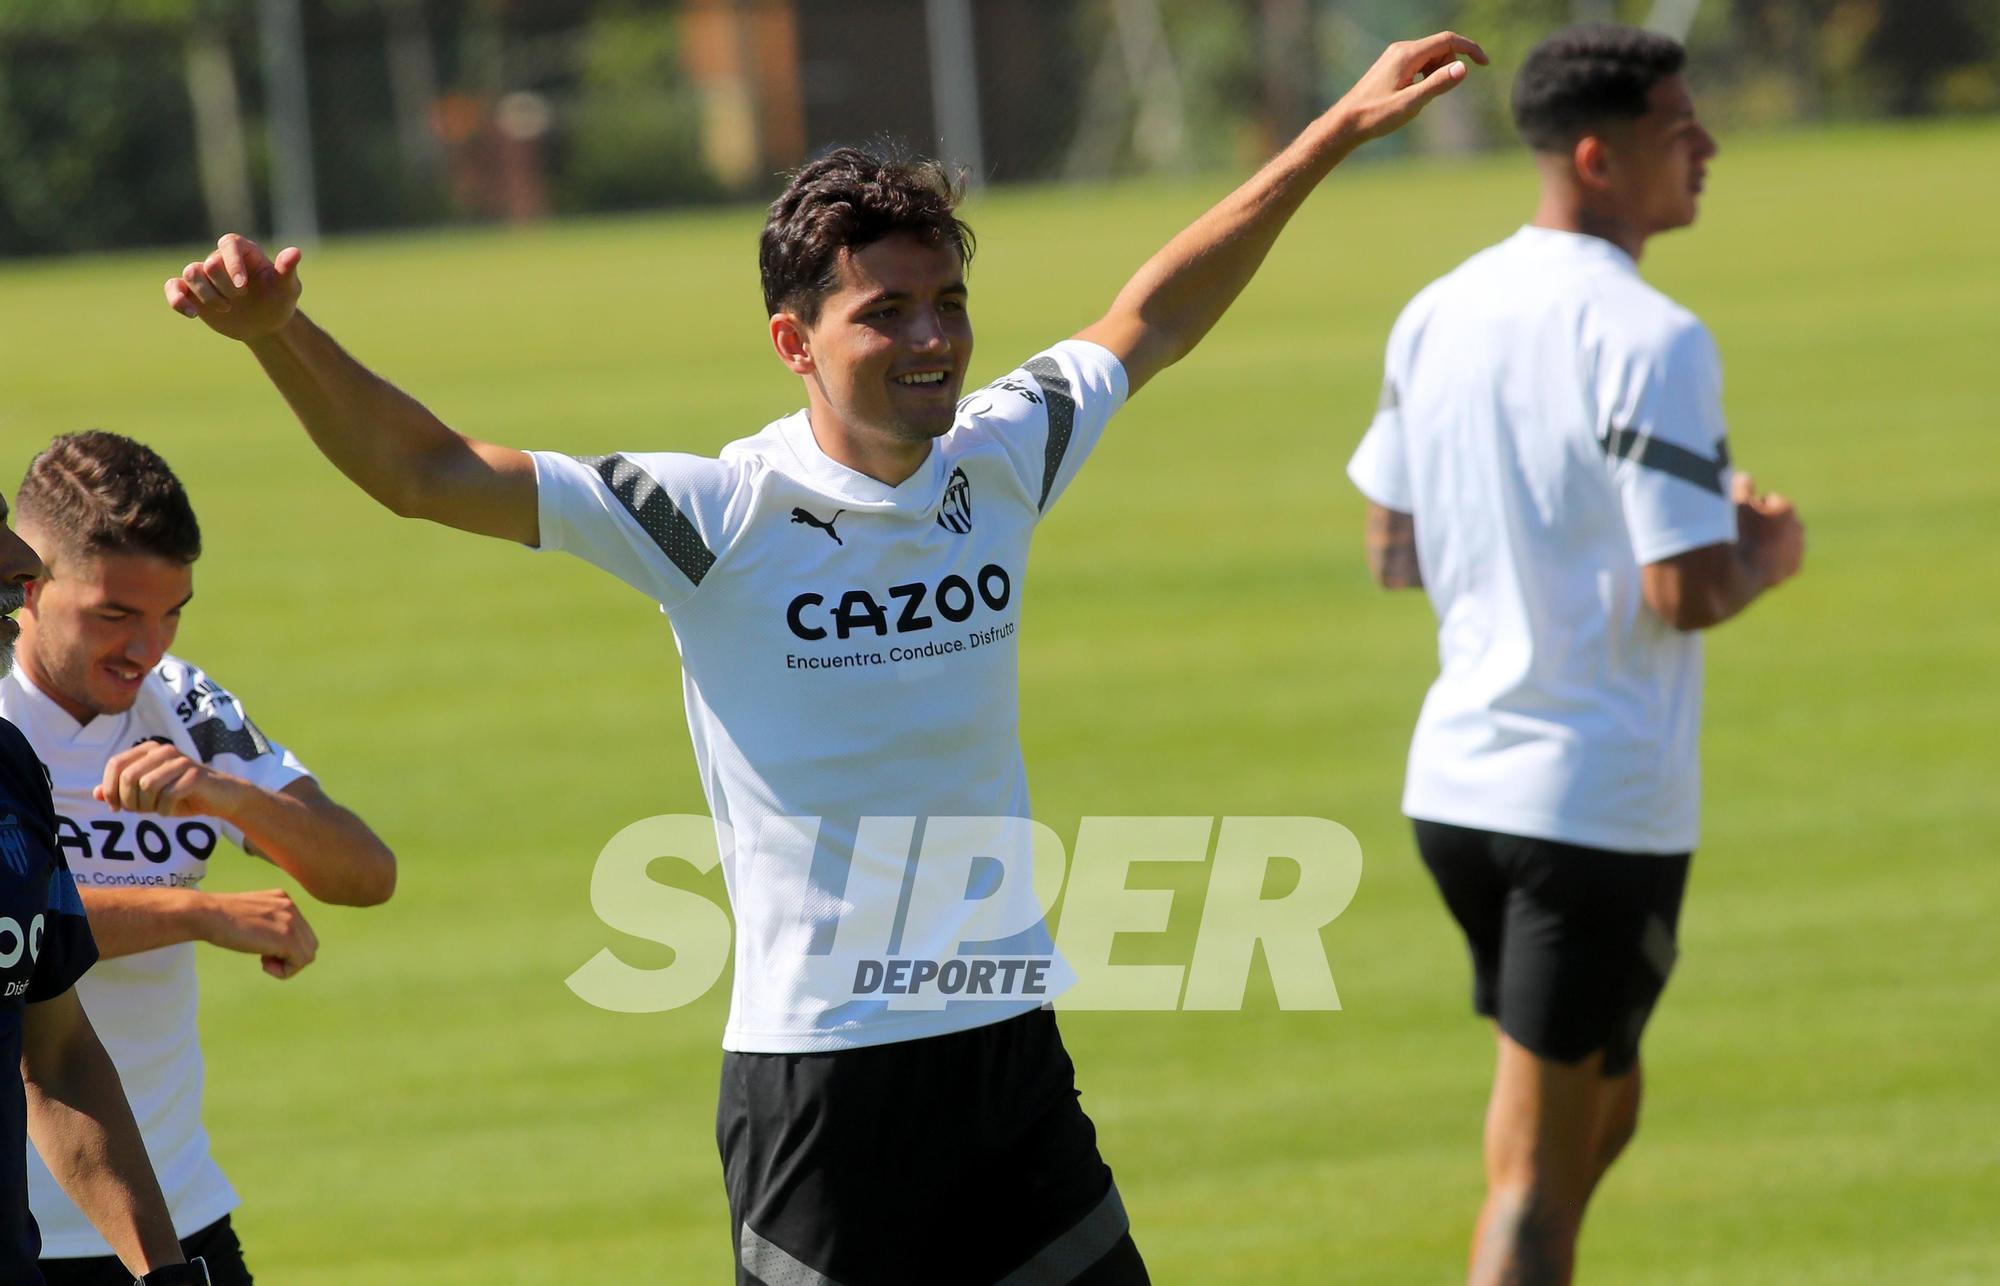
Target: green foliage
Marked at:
1215, 55
634, 129
93, 144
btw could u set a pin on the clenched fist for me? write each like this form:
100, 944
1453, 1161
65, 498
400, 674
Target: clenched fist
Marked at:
155, 776
239, 290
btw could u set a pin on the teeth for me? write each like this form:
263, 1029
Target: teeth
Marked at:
930, 377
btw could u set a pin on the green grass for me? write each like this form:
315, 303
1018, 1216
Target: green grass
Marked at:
429, 1104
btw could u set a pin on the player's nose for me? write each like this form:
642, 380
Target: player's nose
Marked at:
929, 335
148, 644
19, 563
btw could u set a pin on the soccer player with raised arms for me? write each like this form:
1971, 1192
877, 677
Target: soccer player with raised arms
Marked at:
1548, 462
153, 764
845, 589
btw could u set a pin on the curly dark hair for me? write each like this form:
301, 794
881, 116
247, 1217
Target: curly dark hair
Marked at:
1584, 77
102, 493
844, 200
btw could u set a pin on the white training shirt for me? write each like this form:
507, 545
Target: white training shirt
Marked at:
1553, 423
848, 651
144, 1006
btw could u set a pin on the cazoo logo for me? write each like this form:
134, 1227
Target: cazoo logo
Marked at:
954, 598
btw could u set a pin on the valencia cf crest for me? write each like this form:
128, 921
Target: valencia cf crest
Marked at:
14, 845
956, 512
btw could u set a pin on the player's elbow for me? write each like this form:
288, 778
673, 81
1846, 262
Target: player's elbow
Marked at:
378, 884
1395, 573
1685, 603
369, 882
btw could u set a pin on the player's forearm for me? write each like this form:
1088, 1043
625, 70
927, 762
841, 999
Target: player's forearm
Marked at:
1177, 297
82, 1126
325, 847
383, 439
1392, 549
1705, 589
125, 922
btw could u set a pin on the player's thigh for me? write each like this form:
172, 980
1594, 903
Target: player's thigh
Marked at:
1475, 889
1589, 942
1038, 1162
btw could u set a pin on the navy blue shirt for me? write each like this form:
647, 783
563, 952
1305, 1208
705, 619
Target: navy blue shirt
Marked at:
45, 946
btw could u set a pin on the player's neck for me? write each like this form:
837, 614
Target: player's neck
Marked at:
1567, 211
30, 670
890, 461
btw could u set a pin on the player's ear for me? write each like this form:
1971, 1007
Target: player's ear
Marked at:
1591, 162
789, 337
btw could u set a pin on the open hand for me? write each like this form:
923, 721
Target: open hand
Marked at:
239, 290
1409, 74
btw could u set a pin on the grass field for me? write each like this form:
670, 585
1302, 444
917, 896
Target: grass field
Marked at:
429, 1104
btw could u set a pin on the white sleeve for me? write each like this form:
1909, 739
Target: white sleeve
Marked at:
1668, 448
655, 521
1379, 468
211, 724
1049, 414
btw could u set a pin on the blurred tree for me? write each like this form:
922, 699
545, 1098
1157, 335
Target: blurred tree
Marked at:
633, 134
1914, 45
95, 111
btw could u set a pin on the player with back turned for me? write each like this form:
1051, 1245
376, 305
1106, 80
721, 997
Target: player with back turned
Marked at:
1549, 463
845, 589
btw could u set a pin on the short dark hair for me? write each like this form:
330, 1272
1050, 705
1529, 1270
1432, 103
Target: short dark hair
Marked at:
847, 199
1584, 77
102, 493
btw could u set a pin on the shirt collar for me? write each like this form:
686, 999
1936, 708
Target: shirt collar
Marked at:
40, 709
1579, 244
914, 494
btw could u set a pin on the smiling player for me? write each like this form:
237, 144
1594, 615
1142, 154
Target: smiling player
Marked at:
67, 1098
153, 764
845, 590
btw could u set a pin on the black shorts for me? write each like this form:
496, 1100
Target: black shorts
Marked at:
216, 1243
956, 1160
1571, 946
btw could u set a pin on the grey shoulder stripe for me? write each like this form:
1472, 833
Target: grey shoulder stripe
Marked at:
213, 737
773, 1266
673, 531
1677, 461
1067, 1258
1061, 405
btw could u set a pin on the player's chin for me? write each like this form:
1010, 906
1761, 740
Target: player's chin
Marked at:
926, 423
109, 699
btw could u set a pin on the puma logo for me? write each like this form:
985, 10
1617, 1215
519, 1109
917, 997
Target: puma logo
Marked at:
800, 515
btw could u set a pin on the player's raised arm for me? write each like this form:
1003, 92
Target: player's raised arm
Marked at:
1182, 291
379, 436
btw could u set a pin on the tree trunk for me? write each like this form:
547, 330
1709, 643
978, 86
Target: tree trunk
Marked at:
221, 157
